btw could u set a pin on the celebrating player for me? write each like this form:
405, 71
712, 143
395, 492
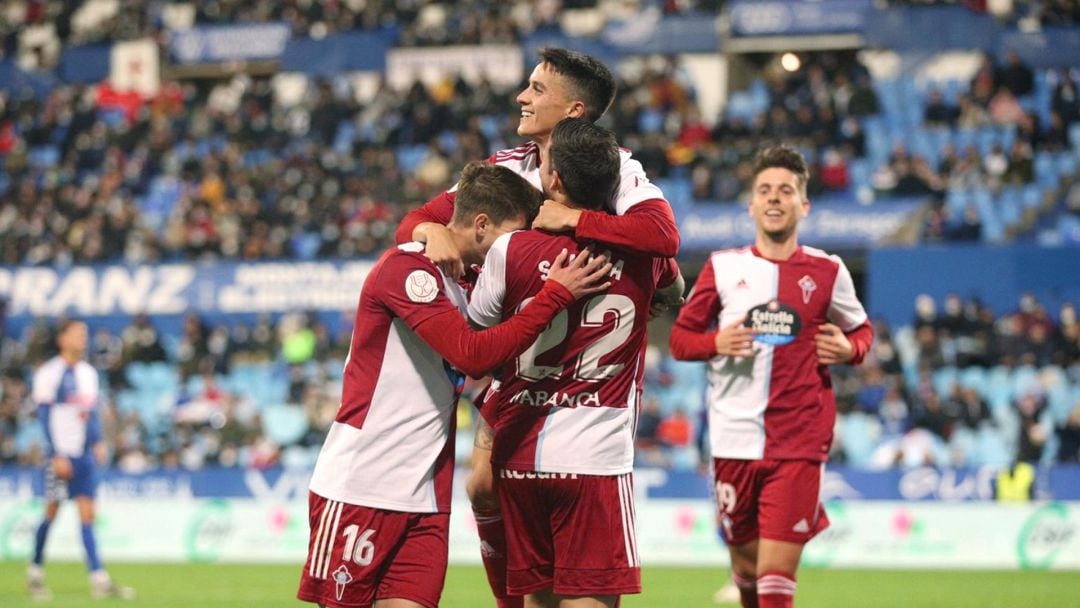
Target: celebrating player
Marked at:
380, 491
564, 412
564, 84
65, 389
784, 312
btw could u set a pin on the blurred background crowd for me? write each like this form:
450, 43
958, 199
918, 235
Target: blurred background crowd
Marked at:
233, 168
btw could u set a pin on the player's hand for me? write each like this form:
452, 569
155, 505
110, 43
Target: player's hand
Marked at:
440, 248
833, 347
62, 467
735, 340
556, 217
583, 275
661, 305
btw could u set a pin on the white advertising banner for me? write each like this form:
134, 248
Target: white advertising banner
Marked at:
865, 534
135, 66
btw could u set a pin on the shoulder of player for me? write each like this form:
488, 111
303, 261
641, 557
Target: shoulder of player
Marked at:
400, 261
731, 253
516, 156
820, 256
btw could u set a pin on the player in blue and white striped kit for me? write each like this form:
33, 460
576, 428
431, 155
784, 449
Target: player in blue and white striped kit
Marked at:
65, 389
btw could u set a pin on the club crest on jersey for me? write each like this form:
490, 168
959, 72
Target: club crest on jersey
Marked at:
774, 323
808, 286
341, 578
421, 286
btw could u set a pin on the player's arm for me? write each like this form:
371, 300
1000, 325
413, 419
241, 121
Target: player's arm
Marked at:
44, 400
670, 286
428, 225
693, 336
643, 220
441, 325
849, 334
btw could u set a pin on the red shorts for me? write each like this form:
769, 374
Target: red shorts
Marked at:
357, 555
774, 499
573, 534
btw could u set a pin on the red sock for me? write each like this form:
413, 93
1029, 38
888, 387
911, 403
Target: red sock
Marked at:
776, 589
489, 525
747, 590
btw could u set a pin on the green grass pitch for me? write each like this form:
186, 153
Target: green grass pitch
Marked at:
266, 586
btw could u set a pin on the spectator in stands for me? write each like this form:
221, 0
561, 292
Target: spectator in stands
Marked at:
938, 112
1067, 337
1068, 433
1066, 101
1016, 76
1032, 433
1021, 164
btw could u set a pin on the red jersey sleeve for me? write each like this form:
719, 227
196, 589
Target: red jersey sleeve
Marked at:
648, 227
438, 210
477, 353
693, 337
665, 271
861, 338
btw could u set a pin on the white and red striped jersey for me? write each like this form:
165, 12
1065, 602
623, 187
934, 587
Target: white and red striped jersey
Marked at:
66, 396
568, 404
391, 443
634, 187
778, 403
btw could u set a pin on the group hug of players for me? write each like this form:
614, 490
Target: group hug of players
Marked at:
542, 268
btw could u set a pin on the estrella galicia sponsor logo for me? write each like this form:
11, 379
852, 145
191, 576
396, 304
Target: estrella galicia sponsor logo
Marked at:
774, 323
208, 531
1045, 533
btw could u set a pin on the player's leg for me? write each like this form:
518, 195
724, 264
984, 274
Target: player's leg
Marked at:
595, 540
35, 572
737, 516
790, 515
415, 575
489, 521
348, 551
744, 572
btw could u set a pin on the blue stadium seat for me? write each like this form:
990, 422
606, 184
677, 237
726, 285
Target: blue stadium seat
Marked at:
1031, 197
859, 435
944, 379
1074, 137
990, 447
998, 392
284, 424
1024, 380
973, 377
1066, 164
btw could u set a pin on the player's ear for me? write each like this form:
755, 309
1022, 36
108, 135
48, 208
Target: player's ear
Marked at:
577, 109
481, 223
556, 183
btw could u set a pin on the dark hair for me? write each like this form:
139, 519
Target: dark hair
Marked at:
497, 191
783, 156
65, 324
587, 159
590, 80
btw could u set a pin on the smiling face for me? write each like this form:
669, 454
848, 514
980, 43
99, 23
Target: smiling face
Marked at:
545, 102
777, 203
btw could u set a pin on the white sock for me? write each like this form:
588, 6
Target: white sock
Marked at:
35, 572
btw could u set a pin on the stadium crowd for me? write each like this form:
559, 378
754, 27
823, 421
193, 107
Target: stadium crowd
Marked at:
959, 386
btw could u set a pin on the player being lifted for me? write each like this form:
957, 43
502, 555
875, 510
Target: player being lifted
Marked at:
564, 412
380, 491
770, 319
565, 84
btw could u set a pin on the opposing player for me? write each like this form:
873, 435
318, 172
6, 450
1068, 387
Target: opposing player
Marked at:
380, 491
65, 389
565, 84
784, 313
564, 411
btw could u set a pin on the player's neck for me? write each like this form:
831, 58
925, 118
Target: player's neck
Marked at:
463, 242
777, 250
71, 358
